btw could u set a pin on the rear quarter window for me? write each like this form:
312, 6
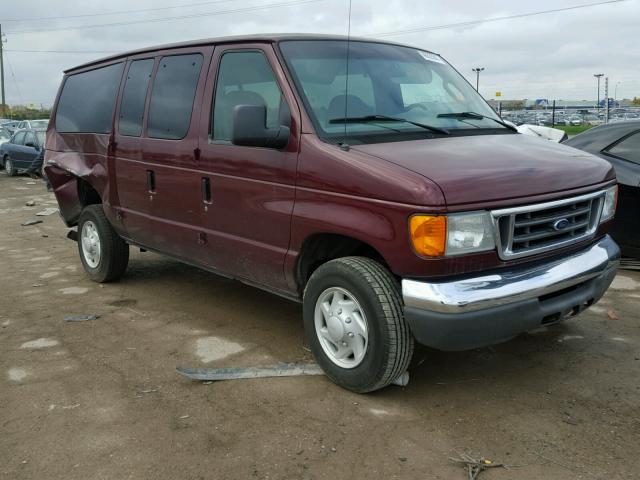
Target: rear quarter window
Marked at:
629, 148
87, 101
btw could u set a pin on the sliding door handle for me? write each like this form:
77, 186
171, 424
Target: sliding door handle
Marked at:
151, 181
206, 190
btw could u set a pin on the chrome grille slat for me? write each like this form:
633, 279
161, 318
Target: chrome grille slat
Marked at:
532, 229
537, 221
546, 234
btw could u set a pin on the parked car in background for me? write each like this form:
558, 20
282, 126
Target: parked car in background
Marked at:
619, 143
41, 124
11, 125
5, 135
23, 152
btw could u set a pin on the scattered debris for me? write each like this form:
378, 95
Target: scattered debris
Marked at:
31, 183
70, 407
612, 315
81, 318
475, 467
37, 285
31, 203
46, 212
402, 380
183, 417
151, 390
33, 221
280, 370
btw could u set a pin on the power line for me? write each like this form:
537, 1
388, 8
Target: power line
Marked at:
13, 75
61, 51
494, 19
166, 19
119, 12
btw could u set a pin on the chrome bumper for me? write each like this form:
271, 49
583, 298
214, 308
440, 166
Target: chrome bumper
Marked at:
520, 283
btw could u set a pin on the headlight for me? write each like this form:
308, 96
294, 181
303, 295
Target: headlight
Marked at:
435, 236
470, 232
610, 201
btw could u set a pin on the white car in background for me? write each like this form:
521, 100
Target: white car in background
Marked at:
548, 133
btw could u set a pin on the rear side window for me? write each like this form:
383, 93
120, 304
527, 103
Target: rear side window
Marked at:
30, 138
629, 148
18, 138
174, 90
87, 101
133, 97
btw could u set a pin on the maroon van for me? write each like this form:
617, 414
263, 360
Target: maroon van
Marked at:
366, 179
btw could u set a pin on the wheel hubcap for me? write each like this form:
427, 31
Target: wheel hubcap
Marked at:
8, 166
341, 327
90, 241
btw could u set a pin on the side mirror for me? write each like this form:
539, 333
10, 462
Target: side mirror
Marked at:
30, 144
249, 128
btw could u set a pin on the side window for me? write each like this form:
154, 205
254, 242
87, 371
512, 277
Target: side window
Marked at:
245, 78
18, 138
629, 148
87, 101
133, 98
30, 138
174, 90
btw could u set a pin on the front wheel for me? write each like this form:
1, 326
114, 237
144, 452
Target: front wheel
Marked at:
355, 325
8, 166
103, 253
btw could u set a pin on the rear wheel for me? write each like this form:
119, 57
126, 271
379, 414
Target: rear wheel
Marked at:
8, 166
355, 325
103, 253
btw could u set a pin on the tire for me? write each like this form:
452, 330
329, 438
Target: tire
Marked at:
8, 166
104, 255
369, 292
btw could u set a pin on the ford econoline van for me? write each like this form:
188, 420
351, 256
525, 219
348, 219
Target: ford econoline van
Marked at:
366, 179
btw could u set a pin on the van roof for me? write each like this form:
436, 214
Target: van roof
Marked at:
264, 38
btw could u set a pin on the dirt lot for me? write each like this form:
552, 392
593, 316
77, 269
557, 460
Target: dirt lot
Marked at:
101, 399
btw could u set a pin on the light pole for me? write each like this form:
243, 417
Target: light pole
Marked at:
615, 91
598, 76
477, 70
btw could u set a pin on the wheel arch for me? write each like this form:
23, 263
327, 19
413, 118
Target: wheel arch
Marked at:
319, 248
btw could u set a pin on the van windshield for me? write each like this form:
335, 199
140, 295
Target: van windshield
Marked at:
382, 86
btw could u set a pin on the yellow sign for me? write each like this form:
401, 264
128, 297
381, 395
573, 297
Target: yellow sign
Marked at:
498, 94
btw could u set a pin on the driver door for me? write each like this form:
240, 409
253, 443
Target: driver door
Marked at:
247, 192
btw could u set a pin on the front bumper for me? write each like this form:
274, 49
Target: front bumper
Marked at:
478, 311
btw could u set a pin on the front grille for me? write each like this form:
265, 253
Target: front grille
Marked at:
537, 228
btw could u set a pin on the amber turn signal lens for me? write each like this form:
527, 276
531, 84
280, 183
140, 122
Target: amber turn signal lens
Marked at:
428, 234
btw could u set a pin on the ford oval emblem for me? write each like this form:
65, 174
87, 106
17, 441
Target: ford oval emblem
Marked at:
560, 224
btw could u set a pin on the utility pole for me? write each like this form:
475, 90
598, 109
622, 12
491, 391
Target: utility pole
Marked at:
598, 76
2, 66
477, 70
606, 100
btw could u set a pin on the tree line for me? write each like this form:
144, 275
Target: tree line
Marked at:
23, 112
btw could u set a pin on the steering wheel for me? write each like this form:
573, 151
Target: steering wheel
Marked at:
416, 105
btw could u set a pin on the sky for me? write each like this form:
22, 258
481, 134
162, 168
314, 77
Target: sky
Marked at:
551, 55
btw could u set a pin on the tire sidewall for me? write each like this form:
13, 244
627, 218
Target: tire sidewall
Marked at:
10, 172
369, 371
98, 272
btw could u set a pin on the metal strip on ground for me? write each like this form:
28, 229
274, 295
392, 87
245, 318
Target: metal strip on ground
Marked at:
233, 373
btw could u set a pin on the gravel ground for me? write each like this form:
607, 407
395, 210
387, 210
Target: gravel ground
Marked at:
101, 399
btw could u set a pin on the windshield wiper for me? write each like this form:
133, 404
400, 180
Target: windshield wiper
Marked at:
475, 116
373, 118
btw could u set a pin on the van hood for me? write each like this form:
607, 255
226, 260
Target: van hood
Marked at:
487, 168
